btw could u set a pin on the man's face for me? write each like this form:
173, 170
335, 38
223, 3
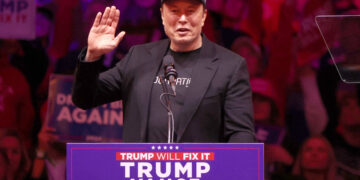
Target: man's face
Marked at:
183, 21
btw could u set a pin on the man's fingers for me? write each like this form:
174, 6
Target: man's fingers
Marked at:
116, 19
119, 37
105, 16
111, 16
97, 19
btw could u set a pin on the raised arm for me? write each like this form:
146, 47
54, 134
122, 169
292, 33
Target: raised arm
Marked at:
91, 89
102, 37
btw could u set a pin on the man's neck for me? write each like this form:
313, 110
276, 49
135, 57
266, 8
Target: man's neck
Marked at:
186, 47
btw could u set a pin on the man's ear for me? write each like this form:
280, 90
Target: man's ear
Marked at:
161, 12
204, 17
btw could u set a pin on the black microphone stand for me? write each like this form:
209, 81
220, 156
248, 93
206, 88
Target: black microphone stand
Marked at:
167, 105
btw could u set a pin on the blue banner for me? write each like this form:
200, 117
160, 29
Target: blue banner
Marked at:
103, 123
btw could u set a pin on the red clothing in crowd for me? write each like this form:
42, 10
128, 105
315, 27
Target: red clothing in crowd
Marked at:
16, 109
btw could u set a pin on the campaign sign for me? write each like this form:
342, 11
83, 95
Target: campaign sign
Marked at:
230, 161
103, 123
17, 19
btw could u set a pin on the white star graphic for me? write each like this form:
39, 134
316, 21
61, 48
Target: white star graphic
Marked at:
171, 147
152, 147
165, 147
159, 147
177, 147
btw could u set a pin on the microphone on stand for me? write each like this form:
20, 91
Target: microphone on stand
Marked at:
170, 71
170, 74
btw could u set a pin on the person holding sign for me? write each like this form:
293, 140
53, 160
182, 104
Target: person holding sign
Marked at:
213, 101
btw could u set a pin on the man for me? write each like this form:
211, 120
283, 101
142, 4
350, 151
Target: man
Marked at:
213, 101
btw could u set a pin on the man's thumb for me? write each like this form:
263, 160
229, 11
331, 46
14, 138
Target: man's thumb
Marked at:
119, 37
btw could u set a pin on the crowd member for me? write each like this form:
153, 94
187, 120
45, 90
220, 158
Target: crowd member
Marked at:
306, 114
233, 13
266, 116
315, 112
51, 156
266, 102
44, 38
347, 141
60, 34
342, 6
342, 104
271, 12
247, 48
212, 28
33, 61
16, 108
51, 153
54, 35
141, 23
16, 152
316, 160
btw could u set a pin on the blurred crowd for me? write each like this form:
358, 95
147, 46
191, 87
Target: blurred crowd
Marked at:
307, 117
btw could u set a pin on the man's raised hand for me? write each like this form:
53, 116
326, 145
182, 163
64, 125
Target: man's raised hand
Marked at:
102, 37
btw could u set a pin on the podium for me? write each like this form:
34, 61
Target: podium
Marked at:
147, 161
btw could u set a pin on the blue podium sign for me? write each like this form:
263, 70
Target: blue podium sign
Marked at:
122, 161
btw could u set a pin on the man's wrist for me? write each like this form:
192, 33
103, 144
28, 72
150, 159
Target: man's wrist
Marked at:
90, 57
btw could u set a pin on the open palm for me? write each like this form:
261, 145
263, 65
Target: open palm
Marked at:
102, 37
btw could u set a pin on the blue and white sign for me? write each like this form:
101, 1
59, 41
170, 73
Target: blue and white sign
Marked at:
103, 123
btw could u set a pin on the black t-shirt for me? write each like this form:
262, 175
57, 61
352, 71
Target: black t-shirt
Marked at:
157, 130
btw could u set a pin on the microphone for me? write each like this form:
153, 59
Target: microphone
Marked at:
170, 72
